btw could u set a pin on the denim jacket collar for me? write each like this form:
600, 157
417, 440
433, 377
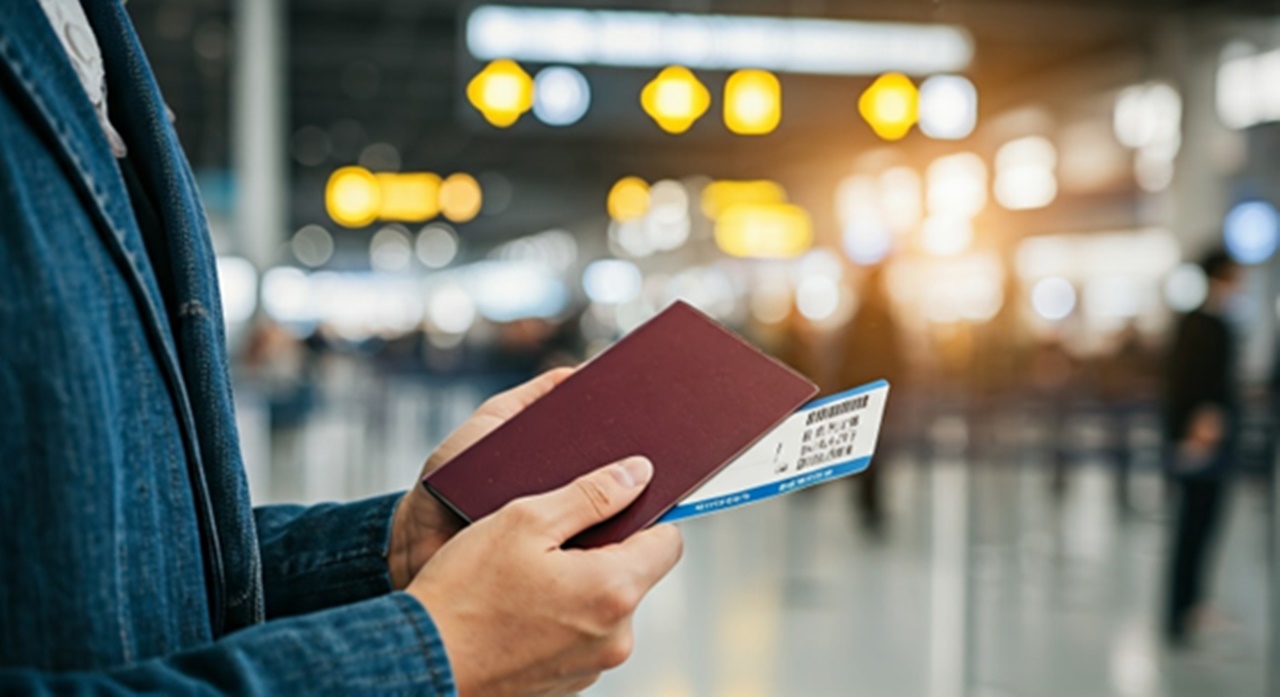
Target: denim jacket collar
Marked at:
189, 344
41, 70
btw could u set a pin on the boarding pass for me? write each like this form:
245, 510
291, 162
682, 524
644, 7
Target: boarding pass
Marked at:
830, 437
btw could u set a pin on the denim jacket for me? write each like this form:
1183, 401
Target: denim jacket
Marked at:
130, 557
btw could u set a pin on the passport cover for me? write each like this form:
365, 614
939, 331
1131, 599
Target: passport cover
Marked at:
680, 389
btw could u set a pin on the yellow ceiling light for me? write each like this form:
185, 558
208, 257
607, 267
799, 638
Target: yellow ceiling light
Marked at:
719, 196
412, 197
628, 199
752, 102
764, 230
460, 197
501, 92
675, 99
352, 197
890, 105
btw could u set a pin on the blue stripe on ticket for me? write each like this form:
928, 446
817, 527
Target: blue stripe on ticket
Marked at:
828, 438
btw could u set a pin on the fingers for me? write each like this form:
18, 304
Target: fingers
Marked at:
650, 554
591, 498
515, 400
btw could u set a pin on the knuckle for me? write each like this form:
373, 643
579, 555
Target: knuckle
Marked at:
523, 512
492, 403
617, 602
595, 495
557, 373
617, 650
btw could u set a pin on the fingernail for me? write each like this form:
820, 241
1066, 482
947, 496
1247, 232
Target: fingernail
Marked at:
633, 471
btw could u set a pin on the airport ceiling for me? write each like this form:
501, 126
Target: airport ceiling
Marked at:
394, 71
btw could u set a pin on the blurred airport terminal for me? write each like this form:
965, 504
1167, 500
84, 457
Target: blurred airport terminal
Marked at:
1001, 206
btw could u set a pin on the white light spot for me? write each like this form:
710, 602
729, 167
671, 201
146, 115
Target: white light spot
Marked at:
312, 245
437, 245
451, 310
561, 96
611, 281
1186, 288
1053, 298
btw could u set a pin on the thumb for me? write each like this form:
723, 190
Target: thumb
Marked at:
591, 498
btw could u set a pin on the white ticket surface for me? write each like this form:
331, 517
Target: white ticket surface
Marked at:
825, 439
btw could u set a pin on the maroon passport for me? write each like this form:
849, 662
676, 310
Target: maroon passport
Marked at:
680, 389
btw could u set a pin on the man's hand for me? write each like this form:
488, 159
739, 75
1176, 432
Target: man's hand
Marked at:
521, 616
422, 524
1205, 431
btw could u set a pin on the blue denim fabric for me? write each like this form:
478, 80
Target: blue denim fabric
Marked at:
130, 557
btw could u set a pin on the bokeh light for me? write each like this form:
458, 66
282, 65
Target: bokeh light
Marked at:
238, 288
1245, 86
460, 197
628, 199
818, 297
1147, 114
946, 235
505, 291
1053, 298
1186, 288
948, 107
636, 38
502, 92
675, 99
561, 96
1112, 297
866, 241
752, 102
1025, 176
776, 231
451, 310
1148, 118
286, 295
612, 281
390, 249
890, 106
1250, 232
771, 301
857, 197
412, 197
436, 246
957, 185
667, 225
719, 196
901, 198
352, 197
312, 245
630, 238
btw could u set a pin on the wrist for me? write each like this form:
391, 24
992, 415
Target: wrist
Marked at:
399, 550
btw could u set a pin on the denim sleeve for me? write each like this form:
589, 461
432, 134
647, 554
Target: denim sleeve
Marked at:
384, 646
323, 556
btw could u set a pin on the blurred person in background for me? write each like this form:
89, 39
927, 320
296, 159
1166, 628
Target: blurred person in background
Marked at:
131, 560
1201, 409
872, 350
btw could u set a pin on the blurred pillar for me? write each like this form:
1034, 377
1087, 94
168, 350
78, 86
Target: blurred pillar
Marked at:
1187, 51
257, 128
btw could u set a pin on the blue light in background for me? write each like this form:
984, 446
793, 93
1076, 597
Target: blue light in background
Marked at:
561, 96
1251, 232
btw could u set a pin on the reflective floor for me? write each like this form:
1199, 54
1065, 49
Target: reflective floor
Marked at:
984, 584
792, 598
